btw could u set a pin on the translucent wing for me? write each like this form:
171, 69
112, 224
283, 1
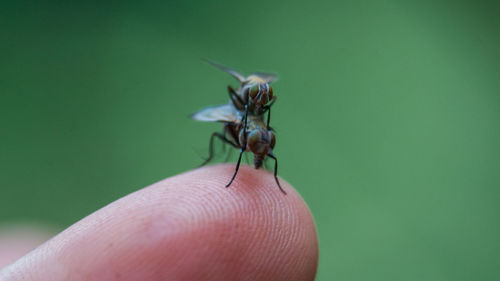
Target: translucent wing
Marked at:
221, 113
266, 77
234, 73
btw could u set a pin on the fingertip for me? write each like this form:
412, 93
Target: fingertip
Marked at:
190, 227
280, 227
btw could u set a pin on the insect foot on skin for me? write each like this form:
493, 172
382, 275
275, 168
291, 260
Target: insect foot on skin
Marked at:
243, 118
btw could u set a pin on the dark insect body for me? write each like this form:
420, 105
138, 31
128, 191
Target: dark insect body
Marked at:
243, 118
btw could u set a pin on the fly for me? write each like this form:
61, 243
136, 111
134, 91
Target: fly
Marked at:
245, 127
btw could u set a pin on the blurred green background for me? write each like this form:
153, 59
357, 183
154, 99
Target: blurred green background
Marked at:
388, 117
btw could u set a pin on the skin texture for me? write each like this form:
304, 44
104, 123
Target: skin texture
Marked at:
18, 239
188, 227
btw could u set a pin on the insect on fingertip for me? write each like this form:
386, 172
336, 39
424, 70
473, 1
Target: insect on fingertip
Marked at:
246, 118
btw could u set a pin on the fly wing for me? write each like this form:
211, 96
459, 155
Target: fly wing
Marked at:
266, 77
221, 113
234, 73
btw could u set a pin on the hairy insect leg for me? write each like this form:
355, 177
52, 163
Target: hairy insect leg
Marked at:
235, 98
242, 149
268, 117
245, 127
268, 109
276, 171
237, 167
211, 146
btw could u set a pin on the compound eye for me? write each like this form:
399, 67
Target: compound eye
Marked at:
254, 91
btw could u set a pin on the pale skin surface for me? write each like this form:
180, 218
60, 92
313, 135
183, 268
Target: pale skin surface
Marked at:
187, 227
17, 239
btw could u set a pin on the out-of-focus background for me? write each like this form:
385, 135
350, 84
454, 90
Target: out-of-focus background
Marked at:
387, 119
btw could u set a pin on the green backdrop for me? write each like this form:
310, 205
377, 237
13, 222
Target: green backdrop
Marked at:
387, 119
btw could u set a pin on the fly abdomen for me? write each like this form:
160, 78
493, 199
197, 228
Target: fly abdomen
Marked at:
258, 160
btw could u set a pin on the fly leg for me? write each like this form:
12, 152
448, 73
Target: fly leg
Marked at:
237, 101
237, 167
211, 146
243, 147
276, 171
268, 109
268, 116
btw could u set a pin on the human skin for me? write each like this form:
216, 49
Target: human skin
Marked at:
187, 227
17, 239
